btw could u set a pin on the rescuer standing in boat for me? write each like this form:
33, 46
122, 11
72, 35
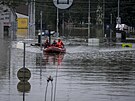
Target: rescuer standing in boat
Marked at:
60, 43
54, 43
46, 44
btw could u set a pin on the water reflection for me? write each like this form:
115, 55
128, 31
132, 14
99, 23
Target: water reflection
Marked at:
4, 61
55, 59
87, 74
107, 75
49, 59
23, 86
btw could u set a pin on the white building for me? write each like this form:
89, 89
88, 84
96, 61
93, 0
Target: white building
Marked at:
8, 23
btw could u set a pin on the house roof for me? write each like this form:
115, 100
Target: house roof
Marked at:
21, 15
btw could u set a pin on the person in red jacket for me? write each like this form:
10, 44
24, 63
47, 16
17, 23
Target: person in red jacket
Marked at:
60, 43
54, 43
46, 43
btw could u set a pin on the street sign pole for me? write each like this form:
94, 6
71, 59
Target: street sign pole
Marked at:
24, 56
61, 4
24, 75
23, 71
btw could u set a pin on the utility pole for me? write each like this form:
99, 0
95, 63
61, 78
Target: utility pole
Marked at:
33, 19
110, 27
31, 14
63, 26
118, 8
89, 21
41, 29
118, 16
58, 22
28, 19
10, 32
103, 17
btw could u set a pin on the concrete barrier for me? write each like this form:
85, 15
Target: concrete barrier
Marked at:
93, 42
127, 45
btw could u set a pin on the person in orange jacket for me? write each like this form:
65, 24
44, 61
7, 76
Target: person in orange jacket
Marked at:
60, 43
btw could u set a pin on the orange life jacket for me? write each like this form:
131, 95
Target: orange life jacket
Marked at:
60, 44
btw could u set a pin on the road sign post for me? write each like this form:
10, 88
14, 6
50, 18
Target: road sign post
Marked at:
61, 4
23, 74
23, 86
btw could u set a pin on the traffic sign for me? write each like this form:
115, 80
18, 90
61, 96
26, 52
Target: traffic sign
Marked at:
24, 74
62, 4
23, 86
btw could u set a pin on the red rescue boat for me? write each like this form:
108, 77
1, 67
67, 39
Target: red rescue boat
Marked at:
54, 49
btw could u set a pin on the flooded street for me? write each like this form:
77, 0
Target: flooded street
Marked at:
84, 73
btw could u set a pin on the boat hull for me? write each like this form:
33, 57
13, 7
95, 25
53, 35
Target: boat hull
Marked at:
53, 49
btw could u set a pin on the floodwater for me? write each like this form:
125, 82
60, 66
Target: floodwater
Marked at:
82, 74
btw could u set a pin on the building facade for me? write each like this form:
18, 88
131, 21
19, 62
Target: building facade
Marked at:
8, 24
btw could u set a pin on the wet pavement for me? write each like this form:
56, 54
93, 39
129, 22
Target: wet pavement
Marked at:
82, 74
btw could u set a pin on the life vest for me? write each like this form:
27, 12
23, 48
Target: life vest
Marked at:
59, 44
